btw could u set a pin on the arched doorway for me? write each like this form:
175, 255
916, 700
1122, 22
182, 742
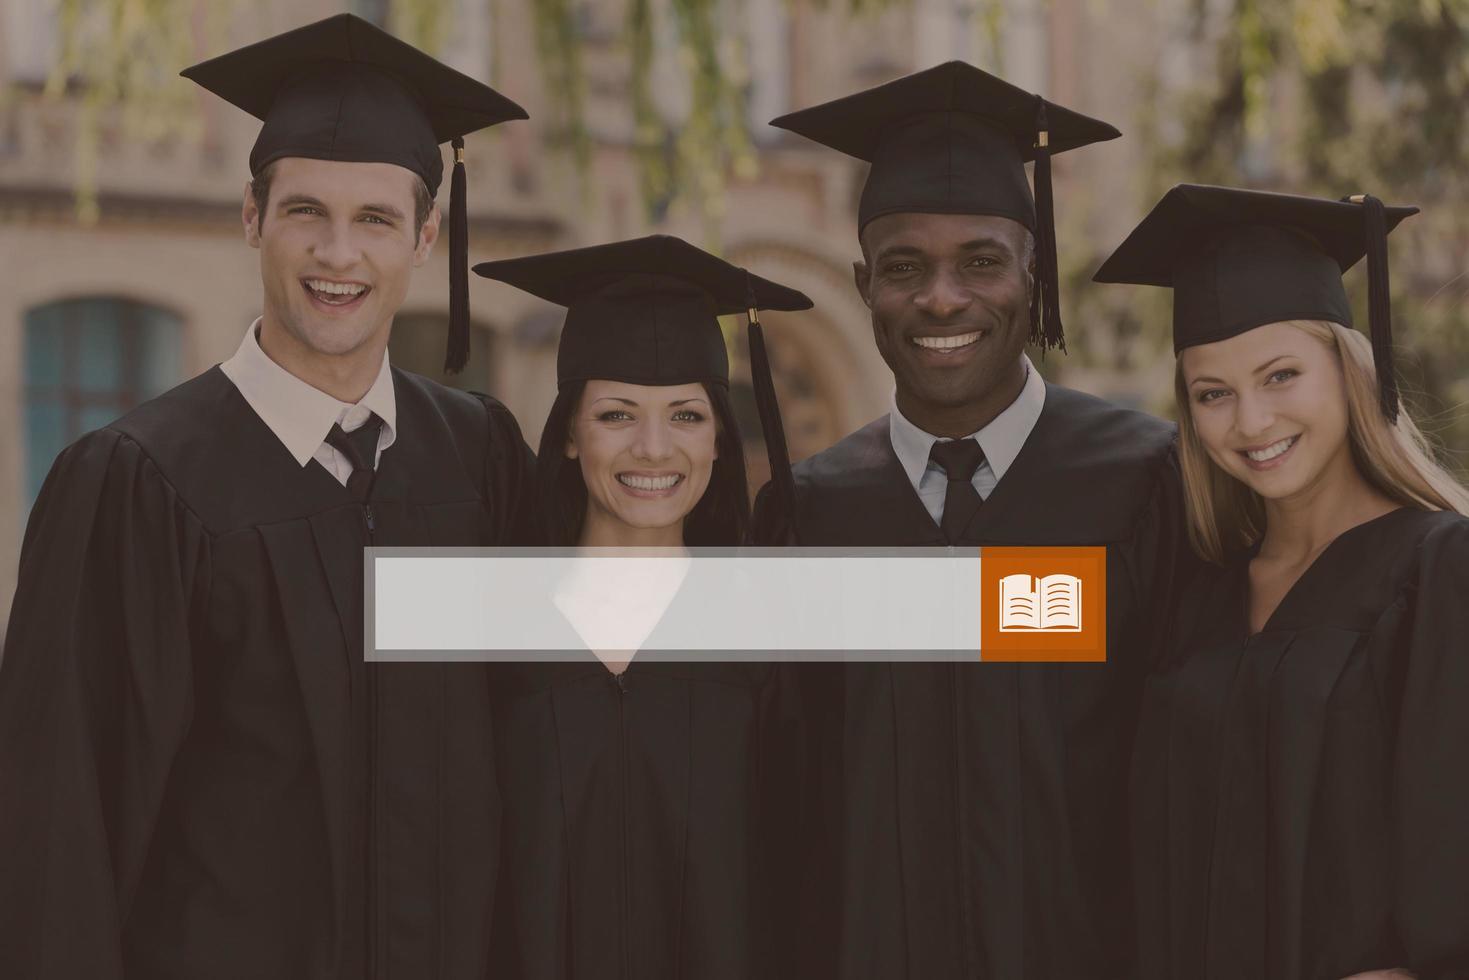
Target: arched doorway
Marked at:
808, 411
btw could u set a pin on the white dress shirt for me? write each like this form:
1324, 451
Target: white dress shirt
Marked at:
300, 415
1001, 441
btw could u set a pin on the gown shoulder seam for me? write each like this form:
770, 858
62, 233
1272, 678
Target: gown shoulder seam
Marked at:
181, 500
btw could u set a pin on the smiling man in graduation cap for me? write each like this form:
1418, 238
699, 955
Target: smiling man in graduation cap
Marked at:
974, 822
202, 776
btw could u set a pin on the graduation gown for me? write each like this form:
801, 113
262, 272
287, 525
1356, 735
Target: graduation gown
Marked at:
974, 814
202, 777
1302, 798
649, 819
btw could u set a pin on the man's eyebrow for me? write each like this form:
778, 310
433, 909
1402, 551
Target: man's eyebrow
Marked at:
295, 199
894, 251
914, 251
386, 210
986, 242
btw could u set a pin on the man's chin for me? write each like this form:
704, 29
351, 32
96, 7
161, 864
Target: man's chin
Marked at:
948, 389
334, 339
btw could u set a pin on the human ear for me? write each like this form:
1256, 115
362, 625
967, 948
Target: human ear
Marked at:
427, 235
250, 217
862, 276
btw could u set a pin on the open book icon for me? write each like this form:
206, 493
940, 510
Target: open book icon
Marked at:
1051, 604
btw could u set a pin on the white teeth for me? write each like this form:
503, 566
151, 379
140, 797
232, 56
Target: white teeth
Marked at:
648, 482
1271, 451
947, 343
336, 288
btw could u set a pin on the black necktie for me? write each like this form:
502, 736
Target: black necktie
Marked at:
360, 448
959, 459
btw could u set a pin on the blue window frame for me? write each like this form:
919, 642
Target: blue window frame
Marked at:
87, 361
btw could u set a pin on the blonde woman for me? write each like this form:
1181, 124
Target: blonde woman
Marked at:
1301, 776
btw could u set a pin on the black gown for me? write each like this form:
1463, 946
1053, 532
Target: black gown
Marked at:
649, 819
1302, 794
201, 776
974, 817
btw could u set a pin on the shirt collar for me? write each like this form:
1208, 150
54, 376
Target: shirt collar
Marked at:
298, 414
1002, 439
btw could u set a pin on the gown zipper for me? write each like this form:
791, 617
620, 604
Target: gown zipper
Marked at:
625, 904
370, 837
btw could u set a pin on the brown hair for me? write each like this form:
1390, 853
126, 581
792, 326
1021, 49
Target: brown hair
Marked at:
1395, 458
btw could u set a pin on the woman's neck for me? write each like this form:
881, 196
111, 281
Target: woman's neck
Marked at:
1298, 527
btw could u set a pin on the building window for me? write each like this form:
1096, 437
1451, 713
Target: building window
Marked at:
769, 53
29, 28
417, 344
457, 32
87, 361
372, 11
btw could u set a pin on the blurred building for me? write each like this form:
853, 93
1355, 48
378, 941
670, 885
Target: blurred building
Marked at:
96, 316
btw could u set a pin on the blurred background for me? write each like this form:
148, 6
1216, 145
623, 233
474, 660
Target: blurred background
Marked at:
123, 269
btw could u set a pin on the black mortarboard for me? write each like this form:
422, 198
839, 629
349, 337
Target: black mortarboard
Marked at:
1239, 259
645, 311
955, 140
342, 89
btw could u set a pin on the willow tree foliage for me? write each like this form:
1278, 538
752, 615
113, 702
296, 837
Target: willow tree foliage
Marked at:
1319, 96
120, 58
1334, 97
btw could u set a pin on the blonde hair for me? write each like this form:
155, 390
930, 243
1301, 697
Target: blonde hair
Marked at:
1397, 459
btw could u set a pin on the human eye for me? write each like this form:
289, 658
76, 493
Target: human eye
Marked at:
900, 268
614, 415
688, 415
1283, 375
984, 261
305, 209
1211, 395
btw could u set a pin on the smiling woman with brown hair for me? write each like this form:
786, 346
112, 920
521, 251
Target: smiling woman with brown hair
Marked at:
1300, 806
649, 804
609, 448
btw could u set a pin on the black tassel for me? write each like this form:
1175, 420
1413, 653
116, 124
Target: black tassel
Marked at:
1379, 303
457, 353
781, 477
1045, 311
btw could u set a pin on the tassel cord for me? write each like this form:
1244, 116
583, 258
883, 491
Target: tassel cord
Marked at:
1045, 316
777, 452
456, 354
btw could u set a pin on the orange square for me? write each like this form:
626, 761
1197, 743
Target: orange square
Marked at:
1042, 605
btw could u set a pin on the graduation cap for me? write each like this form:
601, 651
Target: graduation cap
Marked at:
645, 311
343, 89
1239, 259
955, 140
